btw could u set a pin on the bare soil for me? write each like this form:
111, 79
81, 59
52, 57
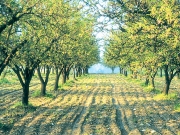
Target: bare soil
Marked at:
96, 105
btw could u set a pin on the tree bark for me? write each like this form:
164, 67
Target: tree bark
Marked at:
25, 95
44, 67
168, 78
112, 69
43, 82
64, 75
77, 73
125, 73
147, 81
58, 73
25, 80
74, 73
119, 69
167, 81
161, 72
153, 75
152, 82
86, 70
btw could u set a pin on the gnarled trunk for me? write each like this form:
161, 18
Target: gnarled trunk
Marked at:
43, 82
25, 95
25, 79
168, 77
58, 73
161, 72
147, 81
74, 73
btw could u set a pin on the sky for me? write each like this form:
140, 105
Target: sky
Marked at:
99, 68
101, 32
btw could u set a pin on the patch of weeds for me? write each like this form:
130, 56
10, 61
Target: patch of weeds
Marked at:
19, 106
66, 85
143, 84
35, 76
177, 107
83, 76
69, 83
61, 87
5, 127
49, 95
171, 96
37, 93
4, 81
152, 89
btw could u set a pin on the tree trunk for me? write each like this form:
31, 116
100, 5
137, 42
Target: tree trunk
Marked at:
147, 81
43, 89
125, 73
112, 68
167, 80
43, 82
77, 73
122, 70
24, 81
67, 75
58, 73
64, 74
63, 77
25, 95
152, 82
44, 69
161, 72
68, 70
167, 86
86, 69
119, 69
74, 73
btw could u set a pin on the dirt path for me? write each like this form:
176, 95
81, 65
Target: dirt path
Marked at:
97, 105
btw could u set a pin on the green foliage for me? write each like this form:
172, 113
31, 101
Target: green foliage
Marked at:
151, 89
177, 107
37, 93
69, 83
4, 81
5, 127
24, 108
49, 95
171, 96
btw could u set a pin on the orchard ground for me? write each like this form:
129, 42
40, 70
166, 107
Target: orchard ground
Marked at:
97, 104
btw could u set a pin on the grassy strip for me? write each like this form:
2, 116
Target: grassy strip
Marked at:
177, 107
146, 88
170, 96
66, 86
4, 81
37, 93
159, 95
